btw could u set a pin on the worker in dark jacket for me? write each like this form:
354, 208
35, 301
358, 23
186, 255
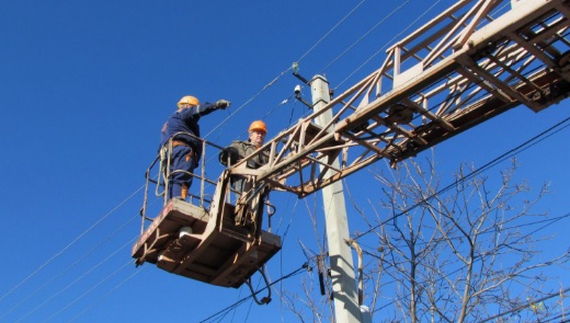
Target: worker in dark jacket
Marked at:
184, 130
240, 149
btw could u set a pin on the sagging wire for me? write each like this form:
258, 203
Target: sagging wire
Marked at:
69, 267
332, 29
75, 282
69, 245
241, 301
268, 85
91, 289
552, 221
266, 299
109, 292
386, 45
272, 82
518, 149
364, 36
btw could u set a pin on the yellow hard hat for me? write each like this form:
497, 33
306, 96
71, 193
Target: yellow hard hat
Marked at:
258, 125
188, 99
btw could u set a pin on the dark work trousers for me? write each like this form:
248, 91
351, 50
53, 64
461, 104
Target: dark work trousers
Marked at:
183, 163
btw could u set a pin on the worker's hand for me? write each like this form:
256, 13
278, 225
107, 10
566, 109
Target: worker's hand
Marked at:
229, 153
223, 104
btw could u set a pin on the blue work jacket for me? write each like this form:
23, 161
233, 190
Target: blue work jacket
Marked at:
186, 120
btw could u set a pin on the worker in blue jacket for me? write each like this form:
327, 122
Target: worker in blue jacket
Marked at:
184, 130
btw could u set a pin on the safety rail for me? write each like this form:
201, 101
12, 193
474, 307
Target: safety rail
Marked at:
159, 174
459, 70
213, 241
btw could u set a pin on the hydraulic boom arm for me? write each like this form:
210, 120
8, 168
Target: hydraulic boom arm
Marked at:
460, 69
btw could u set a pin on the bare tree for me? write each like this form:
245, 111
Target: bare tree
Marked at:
467, 252
461, 253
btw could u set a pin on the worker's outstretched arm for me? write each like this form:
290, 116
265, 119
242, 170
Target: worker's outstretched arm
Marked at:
207, 108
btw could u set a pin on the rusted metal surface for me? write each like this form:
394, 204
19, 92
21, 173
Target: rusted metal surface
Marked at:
459, 70
475, 61
224, 256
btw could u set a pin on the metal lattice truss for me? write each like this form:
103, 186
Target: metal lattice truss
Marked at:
471, 63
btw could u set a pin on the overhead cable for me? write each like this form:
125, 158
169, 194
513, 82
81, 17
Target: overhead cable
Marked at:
386, 45
241, 301
331, 30
69, 267
522, 147
75, 282
136, 272
365, 35
62, 251
272, 82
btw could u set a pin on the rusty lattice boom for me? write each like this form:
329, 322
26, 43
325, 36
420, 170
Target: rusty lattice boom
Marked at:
458, 70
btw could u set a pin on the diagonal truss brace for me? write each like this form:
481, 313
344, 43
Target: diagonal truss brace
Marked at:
459, 70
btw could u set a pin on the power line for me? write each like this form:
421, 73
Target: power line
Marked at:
75, 282
516, 309
107, 294
522, 147
272, 82
502, 246
546, 223
366, 34
241, 301
386, 45
90, 290
67, 268
61, 252
331, 30
268, 85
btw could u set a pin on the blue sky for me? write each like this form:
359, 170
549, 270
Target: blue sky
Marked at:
85, 88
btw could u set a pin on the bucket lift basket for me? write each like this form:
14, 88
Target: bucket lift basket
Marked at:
206, 244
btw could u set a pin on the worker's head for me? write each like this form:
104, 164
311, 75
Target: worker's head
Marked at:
188, 101
257, 132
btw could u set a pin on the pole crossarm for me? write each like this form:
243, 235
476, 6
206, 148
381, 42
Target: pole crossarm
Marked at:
471, 63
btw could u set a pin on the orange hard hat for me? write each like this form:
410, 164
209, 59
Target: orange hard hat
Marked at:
188, 99
258, 125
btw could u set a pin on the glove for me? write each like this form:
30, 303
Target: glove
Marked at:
230, 153
223, 104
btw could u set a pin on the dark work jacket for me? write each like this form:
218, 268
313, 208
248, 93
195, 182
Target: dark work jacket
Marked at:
186, 120
240, 150
246, 148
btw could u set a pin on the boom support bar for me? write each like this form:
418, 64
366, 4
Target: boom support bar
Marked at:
459, 70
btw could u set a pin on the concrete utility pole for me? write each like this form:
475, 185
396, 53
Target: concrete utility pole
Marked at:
347, 309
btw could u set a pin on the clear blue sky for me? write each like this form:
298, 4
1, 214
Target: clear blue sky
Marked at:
84, 89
